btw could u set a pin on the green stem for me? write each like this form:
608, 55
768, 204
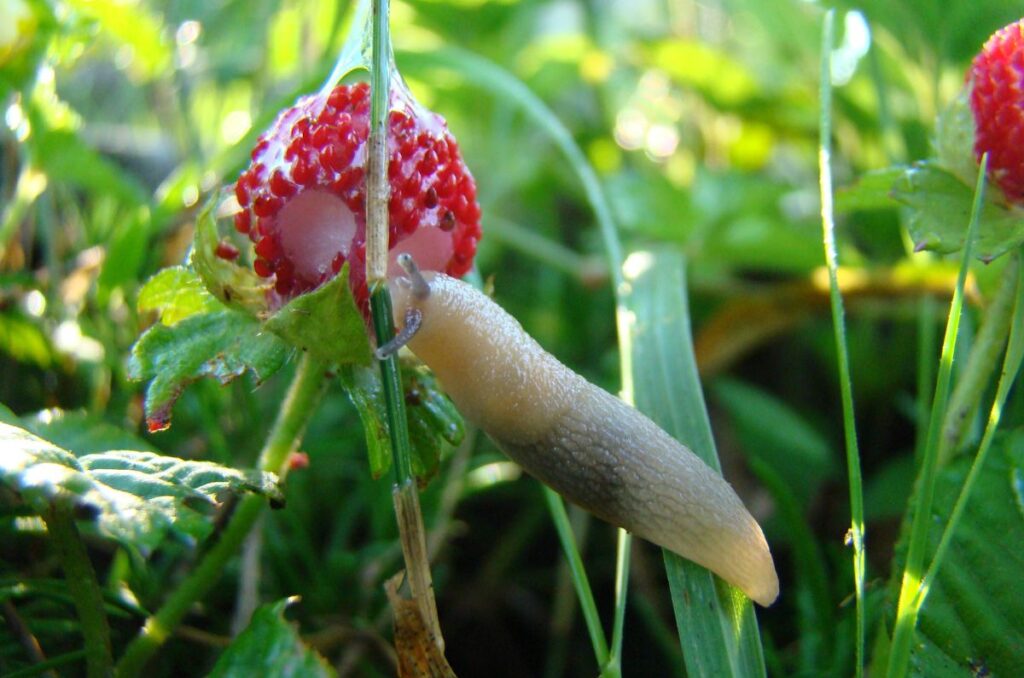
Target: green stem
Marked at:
81, 578
394, 401
856, 533
981, 363
910, 587
925, 374
622, 552
296, 410
579, 575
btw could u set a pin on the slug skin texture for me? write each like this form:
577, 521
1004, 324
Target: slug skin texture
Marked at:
584, 443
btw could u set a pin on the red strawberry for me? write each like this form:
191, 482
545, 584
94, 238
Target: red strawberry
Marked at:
303, 197
996, 80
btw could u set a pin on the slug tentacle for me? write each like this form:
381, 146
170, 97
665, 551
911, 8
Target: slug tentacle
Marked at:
589, 446
413, 319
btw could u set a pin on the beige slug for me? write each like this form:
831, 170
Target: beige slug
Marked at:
589, 446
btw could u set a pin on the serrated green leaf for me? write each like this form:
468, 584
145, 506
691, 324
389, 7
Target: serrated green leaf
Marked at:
237, 286
176, 293
223, 345
941, 210
326, 322
270, 646
133, 497
972, 622
434, 423
872, 191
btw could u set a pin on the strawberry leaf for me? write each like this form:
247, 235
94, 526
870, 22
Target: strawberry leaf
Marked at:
131, 496
325, 322
941, 209
223, 345
872, 191
434, 423
176, 293
270, 646
237, 286
972, 622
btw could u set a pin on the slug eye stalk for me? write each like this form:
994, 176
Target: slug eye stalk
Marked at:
581, 441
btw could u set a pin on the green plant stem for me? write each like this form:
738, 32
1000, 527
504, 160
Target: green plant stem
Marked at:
622, 551
85, 590
856, 533
296, 410
383, 325
1011, 366
925, 374
910, 586
579, 575
981, 363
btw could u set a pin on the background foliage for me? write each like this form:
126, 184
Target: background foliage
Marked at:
701, 120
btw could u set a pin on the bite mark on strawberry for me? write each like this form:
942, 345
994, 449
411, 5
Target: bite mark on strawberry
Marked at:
303, 197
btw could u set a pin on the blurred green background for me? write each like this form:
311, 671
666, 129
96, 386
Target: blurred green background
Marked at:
701, 119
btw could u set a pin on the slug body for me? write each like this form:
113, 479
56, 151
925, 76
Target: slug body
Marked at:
587, 445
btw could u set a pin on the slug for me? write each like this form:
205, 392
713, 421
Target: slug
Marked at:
584, 443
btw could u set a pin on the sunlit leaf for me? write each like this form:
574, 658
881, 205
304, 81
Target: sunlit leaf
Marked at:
223, 345
326, 322
710, 70
28, 25
176, 293
237, 286
941, 210
134, 497
871, 191
132, 27
270, 646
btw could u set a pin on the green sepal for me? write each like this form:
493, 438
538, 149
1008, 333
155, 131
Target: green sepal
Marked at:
434, 423
236, 286
326, 322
